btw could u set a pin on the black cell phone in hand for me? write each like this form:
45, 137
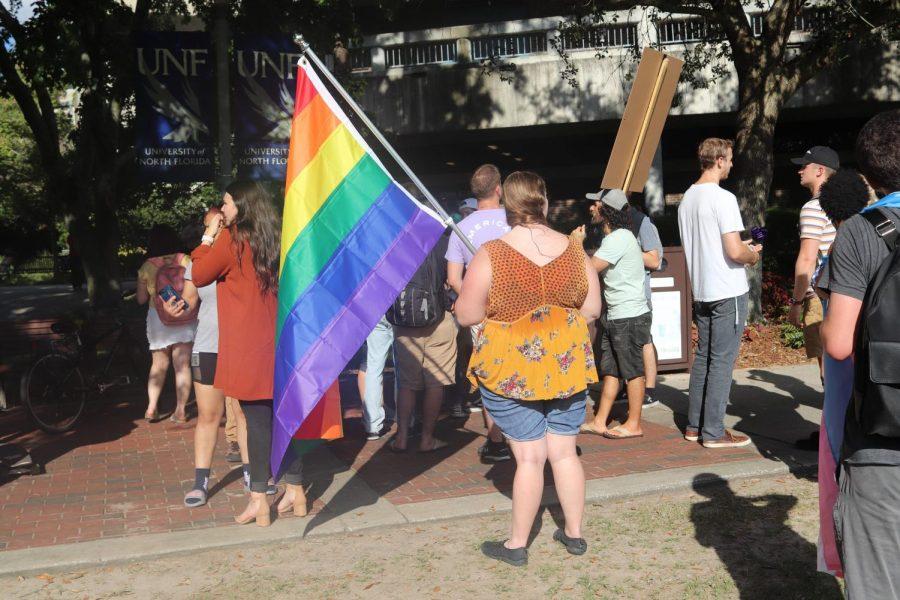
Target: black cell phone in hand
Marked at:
168, 292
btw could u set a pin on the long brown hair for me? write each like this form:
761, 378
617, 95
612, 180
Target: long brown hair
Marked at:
524, 196
258, 224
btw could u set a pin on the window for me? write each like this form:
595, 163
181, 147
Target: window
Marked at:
409, 55
502, 46
603, 36
683, 31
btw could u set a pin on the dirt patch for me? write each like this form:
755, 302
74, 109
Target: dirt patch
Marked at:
762, 347
750, 539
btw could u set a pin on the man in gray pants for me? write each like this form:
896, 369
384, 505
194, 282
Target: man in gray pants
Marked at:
710, 224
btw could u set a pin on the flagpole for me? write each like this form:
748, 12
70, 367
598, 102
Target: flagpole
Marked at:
307, 51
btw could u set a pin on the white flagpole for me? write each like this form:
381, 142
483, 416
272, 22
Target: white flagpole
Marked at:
447, 220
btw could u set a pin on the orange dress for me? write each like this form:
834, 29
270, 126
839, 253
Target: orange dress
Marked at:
246, 363
534, 343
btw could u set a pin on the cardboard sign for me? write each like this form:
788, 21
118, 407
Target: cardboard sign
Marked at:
643, 120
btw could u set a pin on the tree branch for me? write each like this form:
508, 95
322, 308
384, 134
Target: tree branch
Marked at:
730, 15
42, 126
778, 25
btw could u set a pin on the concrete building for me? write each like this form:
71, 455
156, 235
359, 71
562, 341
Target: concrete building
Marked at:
467, 92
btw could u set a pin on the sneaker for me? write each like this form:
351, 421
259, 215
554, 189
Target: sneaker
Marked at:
458, 412
377, 435
475, 405
649, 402
517, 557
691, 434
729, 440
495, 451
233, 454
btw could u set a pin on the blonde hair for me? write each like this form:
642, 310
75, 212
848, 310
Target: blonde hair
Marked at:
484, 181
524, 197
712, 149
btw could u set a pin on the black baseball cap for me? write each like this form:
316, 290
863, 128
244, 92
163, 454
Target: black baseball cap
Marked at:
820, 155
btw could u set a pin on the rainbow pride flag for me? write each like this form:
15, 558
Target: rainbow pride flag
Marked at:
351, 239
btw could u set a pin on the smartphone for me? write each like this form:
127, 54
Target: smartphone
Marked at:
168, 292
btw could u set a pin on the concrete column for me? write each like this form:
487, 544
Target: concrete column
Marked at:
463, 51
654, 197
378, 62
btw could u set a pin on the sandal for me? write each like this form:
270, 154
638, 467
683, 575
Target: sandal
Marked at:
151, 417
438, 444
588, 428
178, 421
393, 448
194, 498
619, 433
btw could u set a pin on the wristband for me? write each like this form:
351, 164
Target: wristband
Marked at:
795, 302
207, 238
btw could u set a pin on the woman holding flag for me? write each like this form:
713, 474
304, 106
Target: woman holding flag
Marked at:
240, 250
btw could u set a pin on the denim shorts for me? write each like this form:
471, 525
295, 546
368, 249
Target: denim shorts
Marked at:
530, 420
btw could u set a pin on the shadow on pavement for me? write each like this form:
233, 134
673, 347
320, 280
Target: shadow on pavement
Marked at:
751, 535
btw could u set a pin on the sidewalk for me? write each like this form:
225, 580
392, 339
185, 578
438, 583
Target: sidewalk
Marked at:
115, 485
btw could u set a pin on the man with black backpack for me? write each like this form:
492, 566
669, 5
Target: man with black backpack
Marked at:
424, 348
863, 278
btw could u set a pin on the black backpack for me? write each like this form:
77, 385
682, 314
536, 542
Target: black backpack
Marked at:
876, 393
423, 301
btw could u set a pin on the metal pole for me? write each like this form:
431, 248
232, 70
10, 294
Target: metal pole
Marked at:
220, 35
447, 220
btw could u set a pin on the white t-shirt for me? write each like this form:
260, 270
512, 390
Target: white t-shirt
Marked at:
706, 213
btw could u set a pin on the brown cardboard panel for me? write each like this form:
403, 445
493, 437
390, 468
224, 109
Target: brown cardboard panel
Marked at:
635, 108
642, 124
644, 157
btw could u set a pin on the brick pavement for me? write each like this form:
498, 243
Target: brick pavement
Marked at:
116, 475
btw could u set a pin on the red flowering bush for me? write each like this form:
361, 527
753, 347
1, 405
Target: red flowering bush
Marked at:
776, 295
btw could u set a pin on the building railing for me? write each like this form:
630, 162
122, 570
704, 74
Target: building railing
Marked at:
602, 36
408, 55
474, 50
505, 46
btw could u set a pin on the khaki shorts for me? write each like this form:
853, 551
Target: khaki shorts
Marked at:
426, 356
812, 321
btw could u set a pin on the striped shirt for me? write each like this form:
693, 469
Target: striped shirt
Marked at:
814, 224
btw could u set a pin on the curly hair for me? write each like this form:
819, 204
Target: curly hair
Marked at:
258, 224
876, 151
617, 219
843, 195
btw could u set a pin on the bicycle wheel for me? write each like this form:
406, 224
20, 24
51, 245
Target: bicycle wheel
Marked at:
54, 393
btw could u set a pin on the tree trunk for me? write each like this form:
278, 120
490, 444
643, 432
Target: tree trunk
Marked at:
760, 105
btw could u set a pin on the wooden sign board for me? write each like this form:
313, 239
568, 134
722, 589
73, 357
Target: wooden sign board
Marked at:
642, 124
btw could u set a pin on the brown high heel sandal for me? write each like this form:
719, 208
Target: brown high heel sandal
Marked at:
262, 515
298, 506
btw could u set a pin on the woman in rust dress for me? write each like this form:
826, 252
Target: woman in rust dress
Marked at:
240, 250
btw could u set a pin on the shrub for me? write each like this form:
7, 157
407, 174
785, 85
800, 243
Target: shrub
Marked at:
776, 295
791, 336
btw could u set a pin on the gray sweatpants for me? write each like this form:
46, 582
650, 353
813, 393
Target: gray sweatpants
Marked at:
720, 326
867, 525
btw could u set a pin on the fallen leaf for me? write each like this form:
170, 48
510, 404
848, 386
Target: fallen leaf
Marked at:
45, 577
371, 585
436, 589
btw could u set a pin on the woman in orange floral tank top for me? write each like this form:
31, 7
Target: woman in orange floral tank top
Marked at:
534, 292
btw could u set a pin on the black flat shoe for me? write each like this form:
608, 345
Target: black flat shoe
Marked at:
576, 546
517, 557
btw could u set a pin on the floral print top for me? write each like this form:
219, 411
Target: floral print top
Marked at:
534, 343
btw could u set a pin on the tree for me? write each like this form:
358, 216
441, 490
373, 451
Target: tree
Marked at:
86, 47
769, 69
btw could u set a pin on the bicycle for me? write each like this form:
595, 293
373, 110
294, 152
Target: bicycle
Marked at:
55, 389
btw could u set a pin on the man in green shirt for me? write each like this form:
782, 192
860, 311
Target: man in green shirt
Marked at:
625, 322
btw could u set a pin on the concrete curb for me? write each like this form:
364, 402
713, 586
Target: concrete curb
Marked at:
378, 514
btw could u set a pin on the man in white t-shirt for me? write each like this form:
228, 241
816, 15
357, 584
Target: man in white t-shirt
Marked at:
710, 224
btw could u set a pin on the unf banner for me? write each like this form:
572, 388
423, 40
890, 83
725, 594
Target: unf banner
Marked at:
173, 122
264, 88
